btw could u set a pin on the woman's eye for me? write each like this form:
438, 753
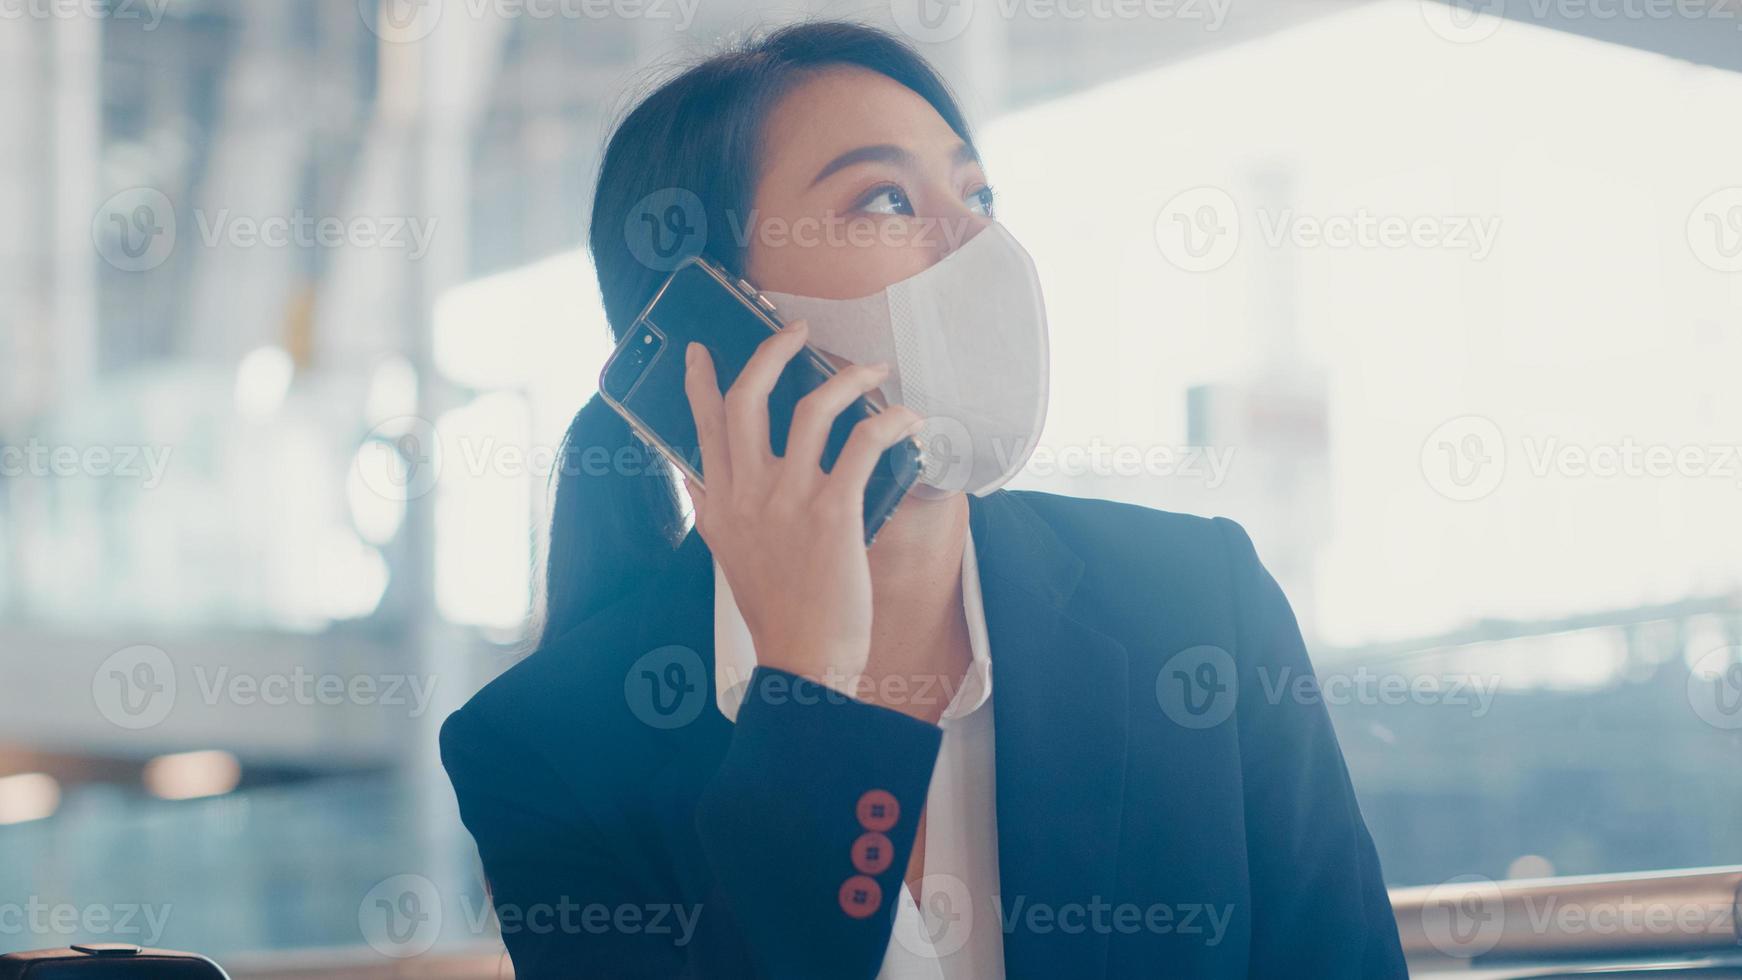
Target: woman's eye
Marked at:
887, 200
981, 201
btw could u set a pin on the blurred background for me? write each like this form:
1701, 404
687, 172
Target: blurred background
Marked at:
1443, 301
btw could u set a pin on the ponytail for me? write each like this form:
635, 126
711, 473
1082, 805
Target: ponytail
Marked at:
614, 521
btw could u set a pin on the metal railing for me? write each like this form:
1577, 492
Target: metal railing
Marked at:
1654, 912
1675, 916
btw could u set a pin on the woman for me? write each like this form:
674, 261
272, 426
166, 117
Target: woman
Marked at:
760, 749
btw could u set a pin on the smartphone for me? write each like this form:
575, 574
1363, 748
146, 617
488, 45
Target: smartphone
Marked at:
643, 379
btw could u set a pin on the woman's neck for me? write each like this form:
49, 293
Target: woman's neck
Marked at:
919, 635
916, 561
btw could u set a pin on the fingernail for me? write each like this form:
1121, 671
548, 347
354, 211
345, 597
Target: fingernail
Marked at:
689, 353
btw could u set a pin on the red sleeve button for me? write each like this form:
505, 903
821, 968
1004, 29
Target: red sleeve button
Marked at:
872, 853
860, 896
878, 810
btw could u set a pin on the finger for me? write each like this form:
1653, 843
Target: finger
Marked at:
814, 418
864, 448
709, 410
747, 401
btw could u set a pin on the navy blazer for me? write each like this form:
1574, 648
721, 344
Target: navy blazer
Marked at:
1169, 802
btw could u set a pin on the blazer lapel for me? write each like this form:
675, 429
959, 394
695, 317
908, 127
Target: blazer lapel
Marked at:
1060, 694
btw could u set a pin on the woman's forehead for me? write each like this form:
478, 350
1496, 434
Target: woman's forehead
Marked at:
840, 109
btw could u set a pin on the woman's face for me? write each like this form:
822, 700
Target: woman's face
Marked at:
863, 184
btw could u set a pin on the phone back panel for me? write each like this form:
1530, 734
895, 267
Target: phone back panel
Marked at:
703, 305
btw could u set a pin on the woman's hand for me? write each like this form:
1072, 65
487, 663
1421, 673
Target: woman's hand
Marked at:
790, 537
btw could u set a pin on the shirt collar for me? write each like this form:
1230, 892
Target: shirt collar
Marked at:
735, 655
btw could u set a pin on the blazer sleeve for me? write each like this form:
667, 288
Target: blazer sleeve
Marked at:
1319, 903
817, 791
808, 775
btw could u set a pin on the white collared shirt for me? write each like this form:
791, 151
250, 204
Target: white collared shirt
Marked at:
957, 936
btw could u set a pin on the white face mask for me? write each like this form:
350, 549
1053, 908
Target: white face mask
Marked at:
967, 349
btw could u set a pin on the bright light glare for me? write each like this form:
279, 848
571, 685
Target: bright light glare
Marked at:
484, 512
378, 516
1585, 319
392, 390
28, 796
528, 326
353, 575
189, 775
262, 382
538, 331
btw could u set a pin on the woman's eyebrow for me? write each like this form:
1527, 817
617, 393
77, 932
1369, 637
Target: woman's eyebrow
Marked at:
878, 153
888, 153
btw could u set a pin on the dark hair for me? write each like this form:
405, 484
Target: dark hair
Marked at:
700, 133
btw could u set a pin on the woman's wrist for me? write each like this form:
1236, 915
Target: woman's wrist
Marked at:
817, 669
